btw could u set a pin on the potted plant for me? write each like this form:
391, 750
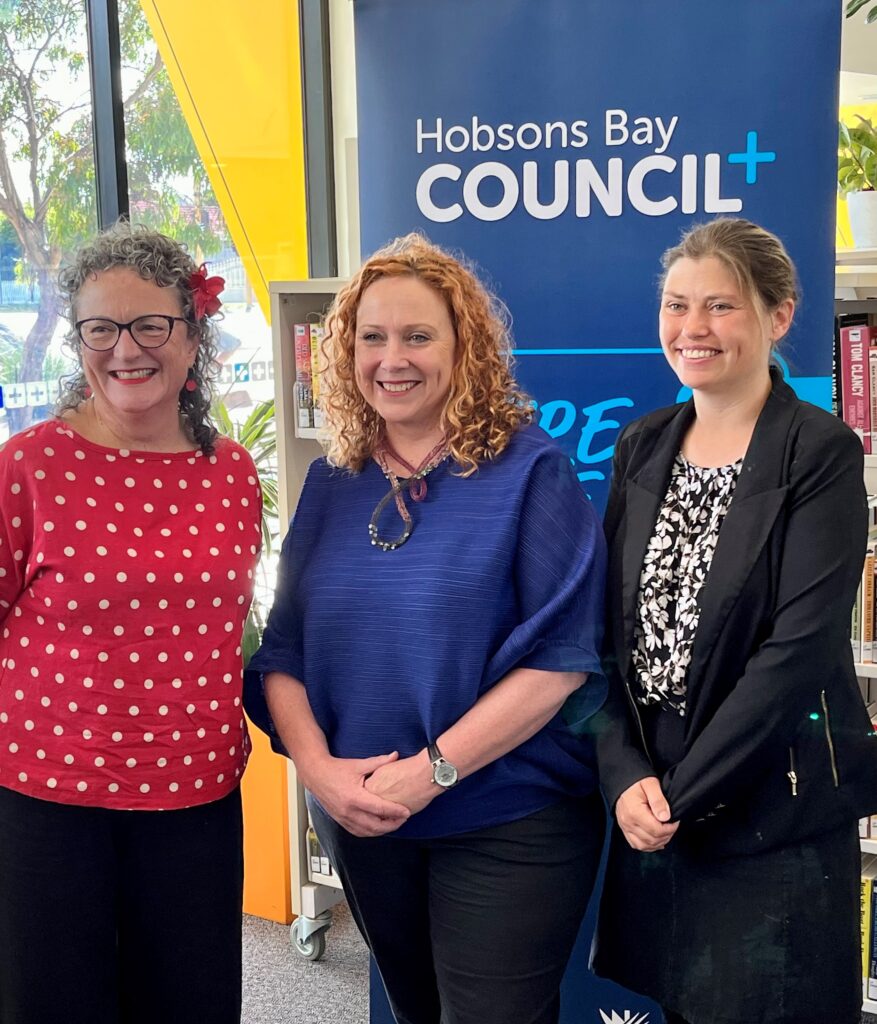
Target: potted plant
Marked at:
853, 6
857, 179
259, 436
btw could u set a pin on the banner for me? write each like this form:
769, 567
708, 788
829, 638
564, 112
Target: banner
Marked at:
562, 146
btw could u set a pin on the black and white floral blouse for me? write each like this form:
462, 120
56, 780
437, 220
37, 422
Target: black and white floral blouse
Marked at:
675, 568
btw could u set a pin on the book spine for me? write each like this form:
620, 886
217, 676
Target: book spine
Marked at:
314, 852
871, 990
868, 606
856, 626
865, 925
302, 341
855, 401
316, 338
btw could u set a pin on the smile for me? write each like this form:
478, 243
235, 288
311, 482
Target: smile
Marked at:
698, 353
396, 388
132, 374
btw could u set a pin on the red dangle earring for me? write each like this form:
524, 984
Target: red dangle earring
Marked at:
191, 384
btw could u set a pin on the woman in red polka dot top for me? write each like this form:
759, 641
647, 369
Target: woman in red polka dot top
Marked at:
129, 534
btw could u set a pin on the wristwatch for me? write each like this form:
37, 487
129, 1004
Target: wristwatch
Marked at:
444, 774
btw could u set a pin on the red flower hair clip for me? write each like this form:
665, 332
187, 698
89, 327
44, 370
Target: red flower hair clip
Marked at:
205, 292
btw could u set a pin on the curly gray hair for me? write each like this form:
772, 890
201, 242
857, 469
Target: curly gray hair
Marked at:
155, 257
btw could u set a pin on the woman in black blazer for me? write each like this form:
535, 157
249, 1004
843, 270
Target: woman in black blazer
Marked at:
734, 748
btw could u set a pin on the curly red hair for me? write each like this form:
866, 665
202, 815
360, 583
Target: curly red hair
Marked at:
485, 405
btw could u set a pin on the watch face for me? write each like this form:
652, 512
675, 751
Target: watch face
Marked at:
445, 774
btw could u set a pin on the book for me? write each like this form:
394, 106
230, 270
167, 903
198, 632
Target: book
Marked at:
841, 320
316, 334
872, 388
866, 913
867, 648
304, 405
302, 342
856, 626
313, 851
855, 381
871, 988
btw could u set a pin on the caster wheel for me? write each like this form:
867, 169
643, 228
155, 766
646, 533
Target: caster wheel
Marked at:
311, 948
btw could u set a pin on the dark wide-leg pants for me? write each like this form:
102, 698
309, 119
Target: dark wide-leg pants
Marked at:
120, 917
474, 928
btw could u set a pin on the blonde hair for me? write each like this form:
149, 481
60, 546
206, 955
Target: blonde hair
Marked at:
755, 256
484, 406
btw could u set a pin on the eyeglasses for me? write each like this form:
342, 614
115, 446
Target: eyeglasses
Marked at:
101, 334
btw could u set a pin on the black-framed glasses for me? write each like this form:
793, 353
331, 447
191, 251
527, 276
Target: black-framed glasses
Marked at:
100, 334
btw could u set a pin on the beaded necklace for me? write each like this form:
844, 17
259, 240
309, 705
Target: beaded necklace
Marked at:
416, 484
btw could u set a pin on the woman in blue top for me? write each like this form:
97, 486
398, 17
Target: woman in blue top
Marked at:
439, 604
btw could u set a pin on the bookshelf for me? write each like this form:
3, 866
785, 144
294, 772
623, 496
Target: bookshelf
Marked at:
313, 893
855, 277
856, 292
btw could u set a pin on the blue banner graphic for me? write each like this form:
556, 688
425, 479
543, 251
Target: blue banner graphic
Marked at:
561, 146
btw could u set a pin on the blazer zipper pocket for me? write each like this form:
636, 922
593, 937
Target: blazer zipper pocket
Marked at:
792, 774
830, 739
636, 714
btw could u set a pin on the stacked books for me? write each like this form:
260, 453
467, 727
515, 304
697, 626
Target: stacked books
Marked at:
868, 926
306, 339
863, 628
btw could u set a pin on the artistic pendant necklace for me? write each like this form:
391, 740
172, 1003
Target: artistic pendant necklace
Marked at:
416, 486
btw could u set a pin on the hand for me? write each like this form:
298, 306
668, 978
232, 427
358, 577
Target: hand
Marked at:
339, 785
643, 815
407, 781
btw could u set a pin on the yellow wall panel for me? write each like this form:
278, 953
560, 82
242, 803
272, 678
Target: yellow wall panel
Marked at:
235, 68
267, 884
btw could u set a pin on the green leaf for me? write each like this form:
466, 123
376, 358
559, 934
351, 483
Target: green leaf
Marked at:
854, 6
872, 16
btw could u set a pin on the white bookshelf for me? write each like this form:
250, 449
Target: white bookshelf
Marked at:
292, 302
866, 671
855, 274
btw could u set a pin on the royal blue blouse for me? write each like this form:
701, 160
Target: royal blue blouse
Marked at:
504, 569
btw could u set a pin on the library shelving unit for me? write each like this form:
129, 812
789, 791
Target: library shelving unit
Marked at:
313, 893
856, 292
855, 278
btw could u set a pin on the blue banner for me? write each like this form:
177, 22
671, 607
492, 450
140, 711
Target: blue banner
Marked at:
561, 146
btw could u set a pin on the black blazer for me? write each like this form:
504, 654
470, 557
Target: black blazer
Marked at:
778, 745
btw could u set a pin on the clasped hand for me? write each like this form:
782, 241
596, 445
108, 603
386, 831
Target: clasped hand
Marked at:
339, 783
372, 796
406, 781
643, 815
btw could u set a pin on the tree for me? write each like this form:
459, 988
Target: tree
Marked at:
47, 183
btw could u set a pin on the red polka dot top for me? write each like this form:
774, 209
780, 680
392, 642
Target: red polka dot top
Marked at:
125, 581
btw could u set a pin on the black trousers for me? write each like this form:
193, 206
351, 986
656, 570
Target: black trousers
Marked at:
120, 917
474, 928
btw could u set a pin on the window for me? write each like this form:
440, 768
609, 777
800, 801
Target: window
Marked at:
47, 200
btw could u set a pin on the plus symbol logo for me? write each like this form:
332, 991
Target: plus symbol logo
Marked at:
752, 157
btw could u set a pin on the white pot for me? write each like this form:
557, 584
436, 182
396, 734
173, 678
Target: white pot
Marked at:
862, 208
